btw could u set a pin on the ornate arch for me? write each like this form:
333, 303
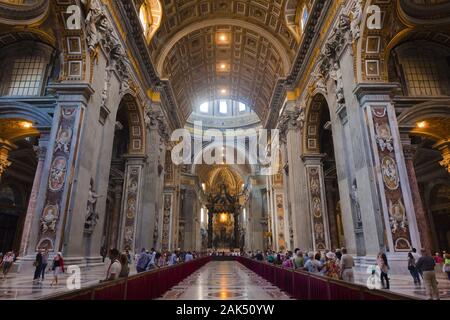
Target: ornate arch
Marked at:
219, 22
293, 13
136, 124
375, 46
21, 13
150, 14
311, 136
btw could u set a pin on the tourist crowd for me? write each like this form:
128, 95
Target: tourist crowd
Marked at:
338, 264
119, 263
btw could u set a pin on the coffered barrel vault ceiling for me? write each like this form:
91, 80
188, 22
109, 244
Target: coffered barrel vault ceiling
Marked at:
257, 50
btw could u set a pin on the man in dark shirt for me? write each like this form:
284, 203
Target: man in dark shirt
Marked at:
259, 256
426, 264
38, 265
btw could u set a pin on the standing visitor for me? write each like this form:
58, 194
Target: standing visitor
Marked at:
338, 254
426, 264
127, 253
124, 262
287, 263
439, 262
384, 268
312, 265
37, 264
115, 266
413, 269
142, 261
331, 267
417, 257
44, 264
152, 262
299, 261
7, 263
58, 268
347, 265
447, 265
188, 257
173, 259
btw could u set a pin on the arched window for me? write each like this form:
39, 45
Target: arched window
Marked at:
223, 107
423, 67
24, 69
304, 18
204, 107
150, 14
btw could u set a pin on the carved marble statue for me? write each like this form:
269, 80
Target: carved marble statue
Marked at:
336, 75
356, 19
91, 212
355, 198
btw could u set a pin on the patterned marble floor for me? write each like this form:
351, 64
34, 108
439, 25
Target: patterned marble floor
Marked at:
403, 284
21, 286
215, 281
225, 280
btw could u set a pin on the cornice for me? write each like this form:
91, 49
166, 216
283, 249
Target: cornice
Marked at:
139, 44
309, 38
23, 14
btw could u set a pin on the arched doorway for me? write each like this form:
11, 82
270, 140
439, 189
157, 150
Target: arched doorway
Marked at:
15, 190
319, 144
123, 186
438, 205
422, 67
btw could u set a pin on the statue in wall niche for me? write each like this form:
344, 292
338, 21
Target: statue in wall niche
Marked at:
104, 94
355, 199
94, 16
336, 75
91, 212
319, 81
356, 19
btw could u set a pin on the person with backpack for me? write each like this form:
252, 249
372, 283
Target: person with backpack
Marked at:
413, 269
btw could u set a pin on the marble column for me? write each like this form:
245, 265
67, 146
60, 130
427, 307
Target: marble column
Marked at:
236, 227
116, 214
421, 216
210, 229
41, 153
132, 198
317, 201
330, 194
290, 126
56, 221
390, 170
